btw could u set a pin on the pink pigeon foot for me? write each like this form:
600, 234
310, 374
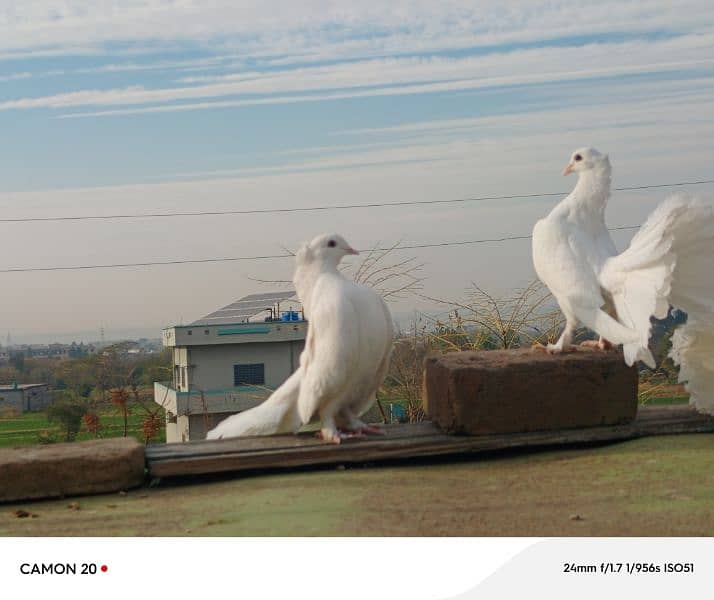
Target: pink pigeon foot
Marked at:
601, 344
372, 430
552, 349
338, 436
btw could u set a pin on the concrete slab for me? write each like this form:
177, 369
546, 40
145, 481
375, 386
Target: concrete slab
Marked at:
76, 468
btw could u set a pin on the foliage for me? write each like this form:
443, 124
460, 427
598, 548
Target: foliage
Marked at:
480, 322
488, 322
68, 410
391, 279
17, 360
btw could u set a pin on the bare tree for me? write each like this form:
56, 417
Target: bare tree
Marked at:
526, 317
391, 279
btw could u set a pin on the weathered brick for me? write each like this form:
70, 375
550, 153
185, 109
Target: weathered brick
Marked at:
70, 469
520, 390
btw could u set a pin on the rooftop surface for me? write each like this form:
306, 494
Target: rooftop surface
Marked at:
244, 308
660, 486
20, 386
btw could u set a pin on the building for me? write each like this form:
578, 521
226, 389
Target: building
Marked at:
229, 361
25, 397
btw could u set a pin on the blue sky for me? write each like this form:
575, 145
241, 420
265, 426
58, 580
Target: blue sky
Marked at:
155, 105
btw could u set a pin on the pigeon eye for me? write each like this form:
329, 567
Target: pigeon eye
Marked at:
578, 158
331, 244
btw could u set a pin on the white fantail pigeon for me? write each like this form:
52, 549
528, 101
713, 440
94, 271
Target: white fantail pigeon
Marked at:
668, 263
346, 355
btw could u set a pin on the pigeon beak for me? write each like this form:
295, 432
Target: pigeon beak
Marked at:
351, 250
568, 169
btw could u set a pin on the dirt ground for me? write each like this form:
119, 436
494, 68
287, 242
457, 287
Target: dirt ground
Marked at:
660, 486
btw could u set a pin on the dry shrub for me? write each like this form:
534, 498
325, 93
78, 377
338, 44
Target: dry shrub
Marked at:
481, 322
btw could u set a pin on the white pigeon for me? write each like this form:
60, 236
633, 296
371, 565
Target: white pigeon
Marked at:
668, 263
346, 355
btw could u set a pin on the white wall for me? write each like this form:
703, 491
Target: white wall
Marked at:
211, 367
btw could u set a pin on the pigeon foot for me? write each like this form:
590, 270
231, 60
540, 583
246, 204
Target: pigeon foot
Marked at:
363, 430
552, 349
601, 344
336, 437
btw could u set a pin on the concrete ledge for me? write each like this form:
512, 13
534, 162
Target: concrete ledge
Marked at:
54, 470
515, 391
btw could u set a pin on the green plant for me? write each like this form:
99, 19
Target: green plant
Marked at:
68, 410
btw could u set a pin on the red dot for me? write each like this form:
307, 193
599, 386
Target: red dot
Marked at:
104, 568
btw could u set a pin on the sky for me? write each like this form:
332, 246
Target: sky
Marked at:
146, 106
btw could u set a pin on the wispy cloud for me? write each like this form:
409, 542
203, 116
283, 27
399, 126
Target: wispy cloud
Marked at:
329, 28
395, 76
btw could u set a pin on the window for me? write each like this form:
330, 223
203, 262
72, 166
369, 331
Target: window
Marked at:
249, 374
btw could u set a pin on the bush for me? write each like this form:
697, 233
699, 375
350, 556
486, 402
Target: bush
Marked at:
68, 411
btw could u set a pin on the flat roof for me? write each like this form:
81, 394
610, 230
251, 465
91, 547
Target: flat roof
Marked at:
244, 308
20, 386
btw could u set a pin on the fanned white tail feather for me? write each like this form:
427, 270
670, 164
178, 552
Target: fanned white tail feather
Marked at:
693, 292
693, 351
669, 262
640, 278
278, 414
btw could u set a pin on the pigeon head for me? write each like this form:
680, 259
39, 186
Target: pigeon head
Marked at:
584, 159
328, 248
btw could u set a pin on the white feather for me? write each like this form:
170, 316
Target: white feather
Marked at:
278, 414
346, 352
570, 247
693, 351
668, 262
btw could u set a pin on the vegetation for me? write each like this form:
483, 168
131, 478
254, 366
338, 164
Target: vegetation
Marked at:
110, 393
486, 322
106, 394
35, 428
68, 410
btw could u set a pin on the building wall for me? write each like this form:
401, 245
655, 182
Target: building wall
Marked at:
11, 400
211, 367
36, 398
177, 432
197, 424
26, 400
180, 375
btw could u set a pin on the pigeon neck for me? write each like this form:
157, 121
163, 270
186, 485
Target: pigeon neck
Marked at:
306, 275
591, 193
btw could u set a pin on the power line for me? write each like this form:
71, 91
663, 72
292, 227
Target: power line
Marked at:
255, 211
274, 256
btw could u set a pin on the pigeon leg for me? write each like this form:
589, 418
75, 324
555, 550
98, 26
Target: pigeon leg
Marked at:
329, 433
564, 342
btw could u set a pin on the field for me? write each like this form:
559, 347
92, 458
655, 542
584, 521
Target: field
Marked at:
31, 428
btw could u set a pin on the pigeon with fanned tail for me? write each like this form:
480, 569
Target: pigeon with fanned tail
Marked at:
668, 263
346, 355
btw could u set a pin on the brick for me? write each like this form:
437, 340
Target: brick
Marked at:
70, 469
508, 391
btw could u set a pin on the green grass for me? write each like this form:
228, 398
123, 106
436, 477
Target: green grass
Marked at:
26, 429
